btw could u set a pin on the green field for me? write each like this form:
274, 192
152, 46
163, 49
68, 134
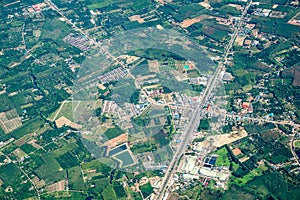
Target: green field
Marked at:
113, 132
27, 148
140, 4
250, 176
9, 173
56, 30
109, 193
146, 189
67, 146
66, 110
28, 127
101, 4
65, 195
297, 144
75, 178
223, 158
51, 171
99, 166
67, 160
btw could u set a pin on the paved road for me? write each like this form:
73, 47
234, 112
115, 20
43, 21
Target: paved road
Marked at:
194, 121
68, 21
196, 115
257, 119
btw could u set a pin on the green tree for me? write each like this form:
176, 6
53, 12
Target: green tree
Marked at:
204, 125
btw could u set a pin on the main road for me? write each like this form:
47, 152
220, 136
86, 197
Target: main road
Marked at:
194, 121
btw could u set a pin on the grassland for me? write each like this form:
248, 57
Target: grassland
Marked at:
98, 165
67, 160
102, 4
146, 189
250, 176
75, 178
297, 144
113, 132
109, 193
64, 195
28, 127
55, 30
140, 4
9, 173
66, 110
223, 158
50, 171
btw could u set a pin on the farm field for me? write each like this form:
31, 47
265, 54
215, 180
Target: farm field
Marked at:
223, 158
149, 99
66, 109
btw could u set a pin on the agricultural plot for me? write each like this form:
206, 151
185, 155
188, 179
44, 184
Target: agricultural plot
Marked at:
109, 193
10, 120
28, 127
140, 4
189, 22
276, 27
66, 146
64, 195
113, 132
251, 175
5, 102
63, 121
67, 160
55, 30
225, 10
66, 109
19, 153
75, 178
140, 70
10, 173
98, 166
188, 11
51, 171
146, 189
97, 5
151, 120
211, 29
57, 186
14, 182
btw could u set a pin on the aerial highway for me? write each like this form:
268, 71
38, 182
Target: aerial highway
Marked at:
194, 121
